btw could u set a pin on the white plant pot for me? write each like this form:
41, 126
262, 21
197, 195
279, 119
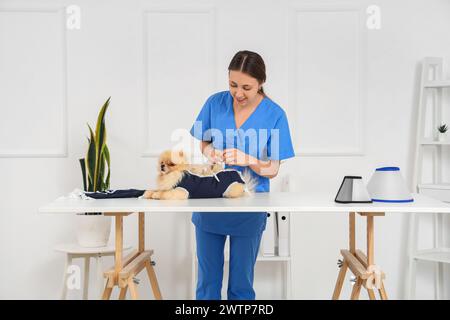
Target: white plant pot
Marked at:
442, 136
93, 230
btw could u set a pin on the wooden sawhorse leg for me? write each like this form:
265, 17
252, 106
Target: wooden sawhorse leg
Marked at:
125, 269
362, 266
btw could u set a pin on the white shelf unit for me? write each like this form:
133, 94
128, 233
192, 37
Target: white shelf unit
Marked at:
437, 84
435, 255
431, 68
430, 142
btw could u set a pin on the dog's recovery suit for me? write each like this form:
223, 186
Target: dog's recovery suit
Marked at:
209, 186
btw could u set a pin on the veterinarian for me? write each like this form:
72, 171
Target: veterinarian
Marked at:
246, 130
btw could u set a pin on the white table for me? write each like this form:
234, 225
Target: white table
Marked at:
363, 267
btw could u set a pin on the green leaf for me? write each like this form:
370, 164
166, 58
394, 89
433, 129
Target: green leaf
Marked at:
107, 158
107, 179
442, 128
100, 135
83, 171
90, 183
91, 161
100, 182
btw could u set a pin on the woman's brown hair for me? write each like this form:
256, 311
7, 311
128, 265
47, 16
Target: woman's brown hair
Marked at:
250, 63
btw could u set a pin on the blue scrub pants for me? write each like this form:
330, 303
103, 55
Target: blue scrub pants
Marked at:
210, 255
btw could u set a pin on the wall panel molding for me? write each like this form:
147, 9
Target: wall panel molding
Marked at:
352, 148
148, 149
60, 150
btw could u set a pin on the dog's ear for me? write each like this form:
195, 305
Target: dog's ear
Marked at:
177, 156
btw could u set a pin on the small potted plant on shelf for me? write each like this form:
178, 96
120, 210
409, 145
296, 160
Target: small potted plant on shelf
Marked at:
442, 132
93, 229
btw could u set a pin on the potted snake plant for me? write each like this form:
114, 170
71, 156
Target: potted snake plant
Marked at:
93, 229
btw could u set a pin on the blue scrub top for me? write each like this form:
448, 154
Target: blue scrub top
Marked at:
264, 135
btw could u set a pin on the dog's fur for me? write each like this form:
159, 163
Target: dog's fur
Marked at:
172, 165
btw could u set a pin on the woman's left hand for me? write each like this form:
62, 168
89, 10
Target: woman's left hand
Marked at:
236, 157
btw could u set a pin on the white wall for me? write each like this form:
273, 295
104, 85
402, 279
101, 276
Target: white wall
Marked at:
350, 94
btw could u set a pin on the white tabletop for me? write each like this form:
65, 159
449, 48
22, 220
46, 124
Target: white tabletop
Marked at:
273, 201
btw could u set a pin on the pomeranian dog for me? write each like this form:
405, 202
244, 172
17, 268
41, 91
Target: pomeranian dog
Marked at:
179, 180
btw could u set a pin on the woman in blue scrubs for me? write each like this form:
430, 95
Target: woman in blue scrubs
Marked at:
246, 130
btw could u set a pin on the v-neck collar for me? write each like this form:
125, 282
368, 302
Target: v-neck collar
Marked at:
233, 115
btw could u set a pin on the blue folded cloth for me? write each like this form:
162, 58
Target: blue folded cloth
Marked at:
108, 194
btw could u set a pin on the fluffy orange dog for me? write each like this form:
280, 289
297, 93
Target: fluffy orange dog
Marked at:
173, 166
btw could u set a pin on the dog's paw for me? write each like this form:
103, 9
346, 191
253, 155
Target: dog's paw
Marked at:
148, 194
156, 195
